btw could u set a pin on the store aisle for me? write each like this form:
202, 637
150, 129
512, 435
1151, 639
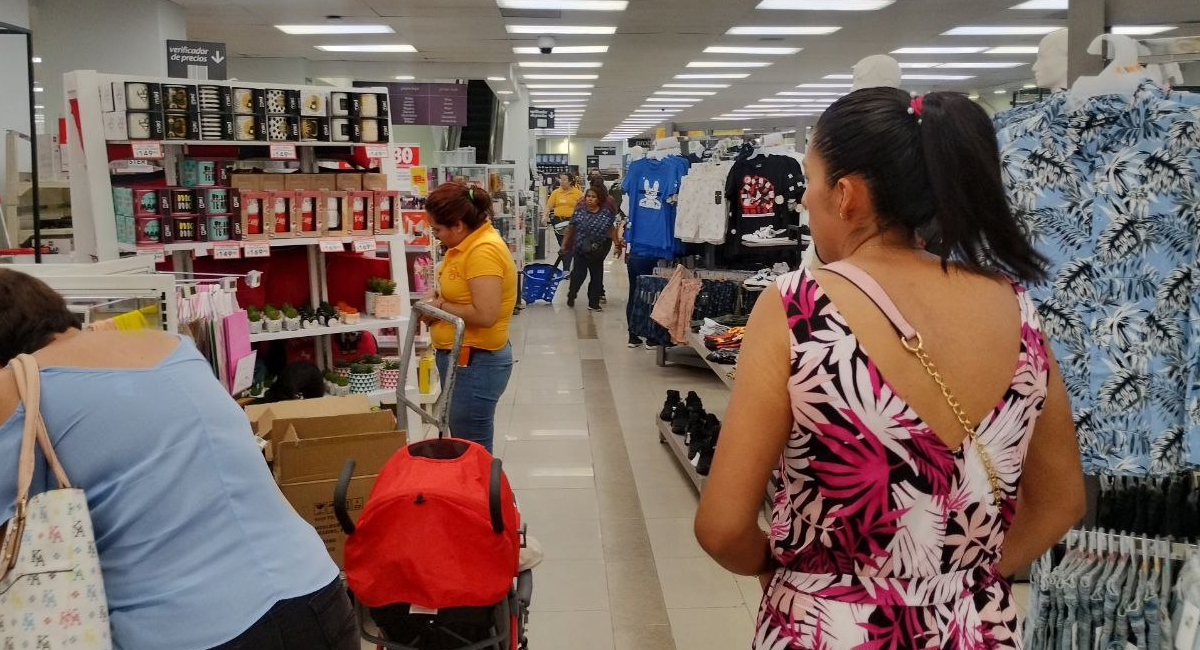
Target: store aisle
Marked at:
607, 500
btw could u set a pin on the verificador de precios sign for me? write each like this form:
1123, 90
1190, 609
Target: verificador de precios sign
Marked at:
196, 60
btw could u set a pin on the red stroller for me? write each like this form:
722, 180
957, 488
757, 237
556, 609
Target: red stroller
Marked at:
434, 554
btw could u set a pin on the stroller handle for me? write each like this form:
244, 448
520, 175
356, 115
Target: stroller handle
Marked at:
339, 497
494, 497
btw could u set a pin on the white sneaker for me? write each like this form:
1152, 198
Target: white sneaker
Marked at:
761, 280
767, 236
712, 327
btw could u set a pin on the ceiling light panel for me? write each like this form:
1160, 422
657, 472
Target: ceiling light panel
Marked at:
559, 64
1001, 30
695, 85
404, 77
1141, 30
565, 49
728, 64
497, 78
1014, 49
1042, 5
936, 77
728, 49
715, 75
565, 5
561, 29
301, 30
825, 86
939, 50
563, 77
838, 76
673, 100
781, 30
813, 93
688, 93
966, 65
367, 48
825, 5
562, 86
498, 92
554, 93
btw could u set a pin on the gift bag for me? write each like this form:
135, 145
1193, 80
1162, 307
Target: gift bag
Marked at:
51, 589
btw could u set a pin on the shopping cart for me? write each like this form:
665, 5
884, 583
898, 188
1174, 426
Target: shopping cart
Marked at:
541, 281
491, 617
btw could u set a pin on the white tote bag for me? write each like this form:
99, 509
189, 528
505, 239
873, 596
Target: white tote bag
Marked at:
51, 589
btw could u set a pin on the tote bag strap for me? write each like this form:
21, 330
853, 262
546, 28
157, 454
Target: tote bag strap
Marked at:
29, 389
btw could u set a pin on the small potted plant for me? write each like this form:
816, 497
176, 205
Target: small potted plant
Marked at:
387, 303
326, 315
291, 318
373, 292
274, 318
389, 376
256, 319
373, 360
363, 378
341, 368
329, 377
339, 386
349, 315
308, 317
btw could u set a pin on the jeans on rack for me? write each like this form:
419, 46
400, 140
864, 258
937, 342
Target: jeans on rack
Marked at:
636, 265
477, 390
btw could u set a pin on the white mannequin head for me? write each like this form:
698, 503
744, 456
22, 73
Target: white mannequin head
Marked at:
1050, 69
877, 71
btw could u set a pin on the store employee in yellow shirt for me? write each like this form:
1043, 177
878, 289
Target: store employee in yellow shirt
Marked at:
478, 283
562, 205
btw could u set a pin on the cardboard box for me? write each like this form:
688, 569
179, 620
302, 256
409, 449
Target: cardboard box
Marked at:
142, 125
137, 96
180, 97
314, 103
336, 213
215, 99
349, 182
306, 219
216, 126
254, 220
246, 182
283, 128
362, 213
181, 126
115, 126
249, 101
272, 182
262, 416
283, 206
298, 182
387, 212
374, 182
324, 182
314, 129
250, 128
342, 129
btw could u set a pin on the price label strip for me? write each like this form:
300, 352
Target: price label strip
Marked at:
376, 150
332, 246
283, 151
148, 151
224, 251
256, 249
364, 245
157, 250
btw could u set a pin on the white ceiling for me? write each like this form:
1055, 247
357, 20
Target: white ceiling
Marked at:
655, 40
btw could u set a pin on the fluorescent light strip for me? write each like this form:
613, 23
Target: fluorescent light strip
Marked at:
566, 49
695, 85
838, 76
565, 5
776, 100
561, 29
728, 64
814, 93
564, 86
36, 59
1014, 49
366, 48
825, 5
564, 77
1141, 30
555, 93
1001, 30
501, 92
825, 86
673, 100
559, 64
716, 75
937, 77
939, 50
781, 30
300, 30
497, 78
724, 49
1042, 5
967, 65
683, 93
656, 110
406, 77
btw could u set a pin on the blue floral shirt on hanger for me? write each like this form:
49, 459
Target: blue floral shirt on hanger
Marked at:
1109, 190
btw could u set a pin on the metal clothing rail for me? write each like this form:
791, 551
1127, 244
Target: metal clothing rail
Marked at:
6, 28
1102, 540
1180, 49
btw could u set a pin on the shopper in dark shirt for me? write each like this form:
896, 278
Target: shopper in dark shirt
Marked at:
590, 237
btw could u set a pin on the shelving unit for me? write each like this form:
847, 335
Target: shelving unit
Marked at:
54, 211
365, 324
679, 450
697, 343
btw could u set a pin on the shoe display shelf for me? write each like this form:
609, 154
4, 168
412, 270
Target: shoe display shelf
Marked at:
679, 450
722, 370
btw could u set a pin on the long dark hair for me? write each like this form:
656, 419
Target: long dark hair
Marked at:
31, 313
601, 193
938, 167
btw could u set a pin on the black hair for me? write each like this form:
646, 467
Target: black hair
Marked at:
601, 193
456, 202
31, 313
936, 171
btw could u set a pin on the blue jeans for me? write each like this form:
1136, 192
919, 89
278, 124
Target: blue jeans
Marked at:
322, 620
477, 390
636, 265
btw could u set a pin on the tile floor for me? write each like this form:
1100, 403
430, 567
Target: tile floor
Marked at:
607, 501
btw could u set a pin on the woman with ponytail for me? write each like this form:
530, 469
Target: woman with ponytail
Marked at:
478, 283
903, 392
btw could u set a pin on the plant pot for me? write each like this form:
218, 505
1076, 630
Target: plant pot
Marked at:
389, 378
387, 306
343, 391
364, 383
342, 372
292, 324
274, 325
371, 297
350, 319
256, 327
309, 324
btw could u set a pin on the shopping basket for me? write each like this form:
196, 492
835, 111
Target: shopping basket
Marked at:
541, 281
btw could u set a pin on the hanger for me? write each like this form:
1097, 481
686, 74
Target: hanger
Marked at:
1122, 76
664, 147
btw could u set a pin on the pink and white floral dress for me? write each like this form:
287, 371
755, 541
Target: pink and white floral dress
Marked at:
888, 539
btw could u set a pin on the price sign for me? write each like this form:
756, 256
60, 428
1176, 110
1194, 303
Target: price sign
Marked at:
227, 251
332, 246
148, 150
157, 250
407, 155
256, 249
283, 151
200, 251
376, 151
364, 245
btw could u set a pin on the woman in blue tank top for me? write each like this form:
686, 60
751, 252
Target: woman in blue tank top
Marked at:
197, 546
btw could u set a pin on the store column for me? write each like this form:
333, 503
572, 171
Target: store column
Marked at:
116, 36
14, 102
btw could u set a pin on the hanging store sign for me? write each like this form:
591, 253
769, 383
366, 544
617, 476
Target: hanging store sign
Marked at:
197, 60
425, 104
541, 118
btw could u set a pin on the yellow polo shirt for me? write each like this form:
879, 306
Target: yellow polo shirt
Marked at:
563, 202
483, 253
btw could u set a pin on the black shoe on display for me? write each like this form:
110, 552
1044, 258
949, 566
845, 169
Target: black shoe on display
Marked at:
695, 425
705, 462
668, 410
679, 421
693, 400
703, 435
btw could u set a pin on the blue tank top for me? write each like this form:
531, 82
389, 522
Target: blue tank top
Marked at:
195, 540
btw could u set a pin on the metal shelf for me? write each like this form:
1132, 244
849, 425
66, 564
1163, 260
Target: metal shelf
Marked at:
364, 324
679, 450
275, 243
697, 343
246, 143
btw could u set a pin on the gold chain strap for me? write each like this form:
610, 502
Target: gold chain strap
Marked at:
919, 352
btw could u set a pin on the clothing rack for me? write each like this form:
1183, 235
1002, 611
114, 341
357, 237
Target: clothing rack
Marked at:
1101, 540
1179, 49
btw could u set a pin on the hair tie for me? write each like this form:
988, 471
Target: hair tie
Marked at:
916, 106
471, 194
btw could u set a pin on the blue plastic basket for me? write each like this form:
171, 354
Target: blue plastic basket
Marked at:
541, 282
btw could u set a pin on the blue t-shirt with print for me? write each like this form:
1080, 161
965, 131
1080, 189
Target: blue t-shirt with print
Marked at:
651, 186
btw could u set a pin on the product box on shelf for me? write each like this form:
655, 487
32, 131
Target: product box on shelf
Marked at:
327, 182
213, 200
349, 182
342, 104
147, 230
314, 103
115, 126
283, 127
203, 172
215, 99
336, 213
372, 105
306, 219
142, 126
181, 126
415, 226
249, 128
246, 182
272, 182
136, 96
314, 129
374, 182
180, 228
123, 201
283, 205
180, 97
371, 129
362, 213
387, 212
216, 227
298, 181
216, 126
342, 129
126, 229
282, 102
249, 101
145, 202
254, 218
177, 200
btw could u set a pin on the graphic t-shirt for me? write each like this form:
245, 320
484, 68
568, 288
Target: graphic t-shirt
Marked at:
651, 186
563, 201
763, 191
591, 224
